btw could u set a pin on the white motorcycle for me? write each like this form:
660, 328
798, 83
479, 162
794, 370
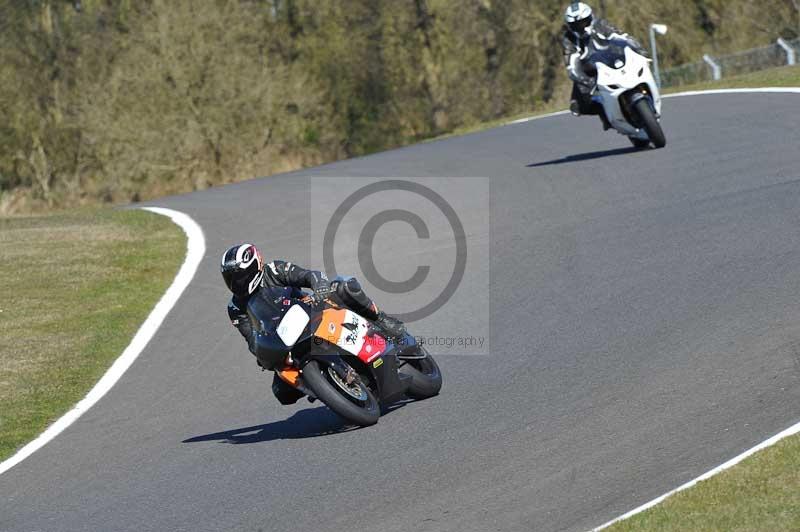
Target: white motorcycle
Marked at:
627, 91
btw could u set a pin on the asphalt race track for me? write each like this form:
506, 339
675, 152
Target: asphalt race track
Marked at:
645, 327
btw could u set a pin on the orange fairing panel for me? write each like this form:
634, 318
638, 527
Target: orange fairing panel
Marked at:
330, 328
289, 375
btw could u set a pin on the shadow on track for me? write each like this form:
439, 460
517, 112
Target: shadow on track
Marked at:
308, 423
586, 156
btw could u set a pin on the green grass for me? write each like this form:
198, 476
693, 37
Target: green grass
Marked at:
772, 77
761, 493
76, 286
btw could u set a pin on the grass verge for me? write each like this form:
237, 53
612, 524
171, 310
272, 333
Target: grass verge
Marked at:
760, 493
76, 286
788, 76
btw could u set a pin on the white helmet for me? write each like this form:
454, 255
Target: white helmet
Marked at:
578, 17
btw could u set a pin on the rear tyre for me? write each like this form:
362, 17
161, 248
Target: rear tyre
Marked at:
426, 378
650, 124
639, 144
322, 380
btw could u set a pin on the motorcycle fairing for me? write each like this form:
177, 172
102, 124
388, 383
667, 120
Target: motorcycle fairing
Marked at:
333, 326
352, 333
613, 83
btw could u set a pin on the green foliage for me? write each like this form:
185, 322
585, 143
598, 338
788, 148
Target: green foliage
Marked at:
116, 100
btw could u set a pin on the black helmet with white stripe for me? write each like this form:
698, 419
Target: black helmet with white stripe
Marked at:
242, 269
578, 17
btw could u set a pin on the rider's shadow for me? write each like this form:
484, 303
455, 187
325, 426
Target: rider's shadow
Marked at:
585, 157
307, 423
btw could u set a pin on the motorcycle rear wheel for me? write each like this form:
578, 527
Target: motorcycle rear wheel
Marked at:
364, 412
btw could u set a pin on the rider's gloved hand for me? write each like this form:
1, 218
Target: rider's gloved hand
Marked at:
322, 291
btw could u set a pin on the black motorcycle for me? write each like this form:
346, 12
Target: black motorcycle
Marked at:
330, 353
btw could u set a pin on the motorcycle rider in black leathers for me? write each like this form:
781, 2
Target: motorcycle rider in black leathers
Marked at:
579, 27
244, 274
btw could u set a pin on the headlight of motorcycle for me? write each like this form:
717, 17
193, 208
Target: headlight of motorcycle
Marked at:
292, 325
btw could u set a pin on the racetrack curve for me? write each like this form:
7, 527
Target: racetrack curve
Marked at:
645, 328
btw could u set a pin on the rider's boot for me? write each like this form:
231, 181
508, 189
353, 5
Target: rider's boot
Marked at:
604, 118
391, 325
351, 293
575, 108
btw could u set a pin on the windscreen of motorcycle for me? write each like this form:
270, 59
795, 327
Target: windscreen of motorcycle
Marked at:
610, 53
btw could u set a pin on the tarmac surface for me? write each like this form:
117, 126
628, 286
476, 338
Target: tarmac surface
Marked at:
641, 320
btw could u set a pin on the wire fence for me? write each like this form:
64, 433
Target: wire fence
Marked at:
752, 60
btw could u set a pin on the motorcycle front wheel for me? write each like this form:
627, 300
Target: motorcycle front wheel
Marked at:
426, 377
353, 401
650, 123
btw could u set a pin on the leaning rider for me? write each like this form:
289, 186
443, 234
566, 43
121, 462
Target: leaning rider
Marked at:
244, 274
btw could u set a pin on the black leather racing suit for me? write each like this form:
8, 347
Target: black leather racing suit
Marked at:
279, 273
574, 48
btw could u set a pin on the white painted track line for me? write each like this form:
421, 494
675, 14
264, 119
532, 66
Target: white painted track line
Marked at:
774, 90
196, 248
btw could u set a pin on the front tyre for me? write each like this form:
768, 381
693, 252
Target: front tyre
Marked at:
426, 378
650, 123
354, 402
